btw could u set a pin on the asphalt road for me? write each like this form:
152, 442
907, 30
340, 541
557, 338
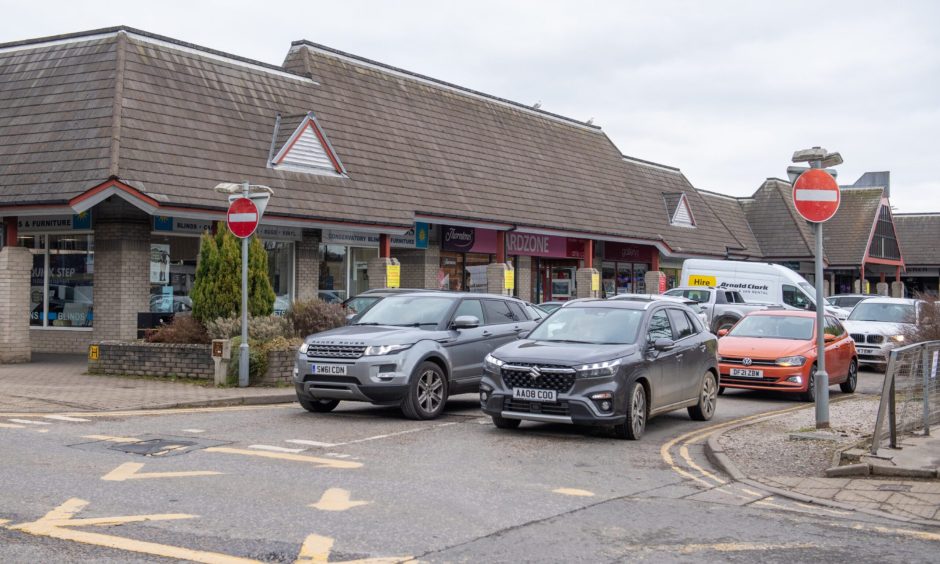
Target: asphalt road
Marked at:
278, 484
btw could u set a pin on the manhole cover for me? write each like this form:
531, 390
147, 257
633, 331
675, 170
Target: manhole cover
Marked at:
157, 447
894, 487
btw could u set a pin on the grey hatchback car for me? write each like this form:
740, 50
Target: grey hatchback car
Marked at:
605, 363
412, 350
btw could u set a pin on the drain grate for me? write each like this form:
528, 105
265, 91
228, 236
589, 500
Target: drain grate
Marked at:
158, 447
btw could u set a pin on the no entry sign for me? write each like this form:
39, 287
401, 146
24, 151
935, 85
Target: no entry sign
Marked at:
242, 218
816, 195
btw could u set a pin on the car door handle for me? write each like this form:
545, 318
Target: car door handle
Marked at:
487, 334
679, 356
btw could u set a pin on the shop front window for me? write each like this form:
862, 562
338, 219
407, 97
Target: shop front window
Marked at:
333, 268
450, 274
281, 273
639, 277
609, 278
475, 268
624, 278
359, 273
62, 280
172, 273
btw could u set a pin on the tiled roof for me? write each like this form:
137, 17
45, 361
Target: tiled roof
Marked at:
55, 120
191, 117
781, 233
730, 212
846, 235
919, 234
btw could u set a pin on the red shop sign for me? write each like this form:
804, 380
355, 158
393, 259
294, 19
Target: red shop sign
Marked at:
627, 252
536, 245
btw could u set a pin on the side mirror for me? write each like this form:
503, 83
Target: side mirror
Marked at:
466, 322
722, 332
829, 338
522, 334
664, 344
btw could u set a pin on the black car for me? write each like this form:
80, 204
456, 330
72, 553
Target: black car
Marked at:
605, 363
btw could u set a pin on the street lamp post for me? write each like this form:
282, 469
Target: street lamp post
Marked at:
259, 195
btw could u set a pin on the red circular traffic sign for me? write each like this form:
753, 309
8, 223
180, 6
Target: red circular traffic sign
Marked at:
242, 218
816, 195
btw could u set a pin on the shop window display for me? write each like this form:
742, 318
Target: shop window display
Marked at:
333, 267
172, 273
62, 280
281, 273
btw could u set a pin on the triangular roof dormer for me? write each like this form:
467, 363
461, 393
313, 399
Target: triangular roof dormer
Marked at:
680, 213
301, 146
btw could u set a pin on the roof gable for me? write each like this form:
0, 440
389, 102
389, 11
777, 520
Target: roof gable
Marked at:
772, 216
848, 234
305, 148
677, 207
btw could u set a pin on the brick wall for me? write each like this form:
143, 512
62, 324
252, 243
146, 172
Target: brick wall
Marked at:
60, 340
122, 269
524, 290
308, 265
419, 267
153, 359
15, 266
280, 368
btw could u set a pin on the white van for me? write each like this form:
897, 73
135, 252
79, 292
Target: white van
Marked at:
757, 282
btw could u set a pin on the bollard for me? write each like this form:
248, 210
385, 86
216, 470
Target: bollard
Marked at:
221, 355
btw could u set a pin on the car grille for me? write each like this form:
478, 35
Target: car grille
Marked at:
748, 381
329, 378
546, 408
754, 361
546, 381
871, 339
335, 351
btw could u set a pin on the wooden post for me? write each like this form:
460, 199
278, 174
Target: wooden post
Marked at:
588, 253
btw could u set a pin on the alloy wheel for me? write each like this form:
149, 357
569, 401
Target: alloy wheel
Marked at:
709, 395
639, 410
430, 391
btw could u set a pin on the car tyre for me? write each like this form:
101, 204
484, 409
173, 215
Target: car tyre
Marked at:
721, 390
707, 399
504, 423
851, 381
315, 405
724, 323
635, 423
810, 393
427, 393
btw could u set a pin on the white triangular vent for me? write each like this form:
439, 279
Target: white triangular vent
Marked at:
308, 150
683, 215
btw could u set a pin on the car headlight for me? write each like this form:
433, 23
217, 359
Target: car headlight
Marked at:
379, 350
304, 347
897, 338
791, 361
608, 368
492, 363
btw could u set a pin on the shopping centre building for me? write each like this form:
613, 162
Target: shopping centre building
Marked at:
113, 140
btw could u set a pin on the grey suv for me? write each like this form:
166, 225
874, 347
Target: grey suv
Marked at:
412, 350
605, 363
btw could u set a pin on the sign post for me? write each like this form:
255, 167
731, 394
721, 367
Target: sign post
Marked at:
243, 218
816, 197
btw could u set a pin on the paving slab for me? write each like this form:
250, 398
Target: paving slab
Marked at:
57, 382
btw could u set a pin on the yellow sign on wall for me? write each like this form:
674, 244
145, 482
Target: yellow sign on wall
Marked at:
595, 282
93, 352
393, 275
509, 277
702, 280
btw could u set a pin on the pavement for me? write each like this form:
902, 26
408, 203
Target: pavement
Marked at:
884, 486
56, 382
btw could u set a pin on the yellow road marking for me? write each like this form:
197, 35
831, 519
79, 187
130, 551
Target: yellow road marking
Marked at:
4, 522
336, 499
316, 550
131, 471
111, 439
42, 430
56, 524
30, 422
720, 547
134, 413
684, 453
320, 462
11, 426
574, 491
920, 535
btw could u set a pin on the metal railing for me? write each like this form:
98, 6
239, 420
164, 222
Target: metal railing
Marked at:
910, 398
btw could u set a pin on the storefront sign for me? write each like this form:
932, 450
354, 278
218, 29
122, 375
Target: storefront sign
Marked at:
627, 253
354, 239
393, 275
549, 246
422, 235
459, 239
180, 225
272, 232
47, 223
509, 279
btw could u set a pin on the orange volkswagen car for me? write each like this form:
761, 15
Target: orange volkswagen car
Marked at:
776, 350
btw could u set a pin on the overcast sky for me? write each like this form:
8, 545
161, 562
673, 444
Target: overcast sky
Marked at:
724, 90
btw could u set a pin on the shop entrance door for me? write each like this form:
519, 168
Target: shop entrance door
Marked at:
558, 281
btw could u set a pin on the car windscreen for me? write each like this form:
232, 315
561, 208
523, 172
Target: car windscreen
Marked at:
889, 313
775, 327
700, 296
418, 311
360, 303
595, 325
811, 292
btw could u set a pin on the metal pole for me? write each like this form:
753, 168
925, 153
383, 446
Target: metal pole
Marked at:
892, 415
243, 348
926, 366
822, 377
